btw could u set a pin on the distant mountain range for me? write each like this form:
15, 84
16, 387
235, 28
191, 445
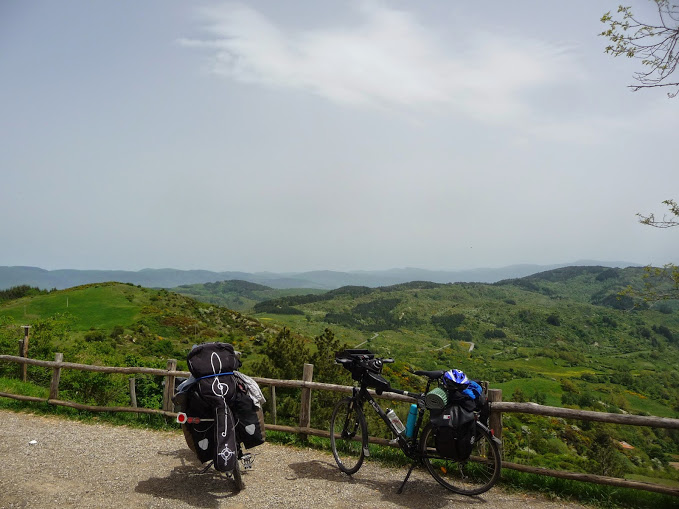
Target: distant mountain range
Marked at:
321, 280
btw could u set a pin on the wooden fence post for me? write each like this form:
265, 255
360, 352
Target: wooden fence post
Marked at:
21, 367
168, 392
305, 410
23, 352
133, 392
56, 376
495, 419
272, 388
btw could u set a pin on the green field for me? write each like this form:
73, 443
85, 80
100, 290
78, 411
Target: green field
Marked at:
101, 306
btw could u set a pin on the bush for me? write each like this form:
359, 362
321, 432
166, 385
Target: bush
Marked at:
95, 335
117, 331
494, 333
449, 323
553, 319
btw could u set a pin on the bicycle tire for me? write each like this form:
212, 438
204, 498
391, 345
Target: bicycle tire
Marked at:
188, 437
348, 436
238, 477
473, 476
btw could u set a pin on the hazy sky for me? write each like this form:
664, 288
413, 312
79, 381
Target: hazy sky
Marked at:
301, 135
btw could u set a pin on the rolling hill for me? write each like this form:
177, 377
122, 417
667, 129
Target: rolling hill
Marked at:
321, 279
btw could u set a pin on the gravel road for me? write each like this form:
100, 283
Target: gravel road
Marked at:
74, 464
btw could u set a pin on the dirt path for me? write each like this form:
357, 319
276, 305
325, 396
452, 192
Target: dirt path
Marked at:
73, 464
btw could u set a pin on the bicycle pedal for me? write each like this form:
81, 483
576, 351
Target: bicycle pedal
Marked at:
248, 460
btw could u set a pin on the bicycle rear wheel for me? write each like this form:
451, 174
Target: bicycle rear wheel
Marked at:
238, 477
348, 436
473, 476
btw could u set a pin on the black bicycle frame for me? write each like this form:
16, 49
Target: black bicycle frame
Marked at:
407, 445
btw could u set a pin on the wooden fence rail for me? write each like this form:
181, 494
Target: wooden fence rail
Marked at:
498, 407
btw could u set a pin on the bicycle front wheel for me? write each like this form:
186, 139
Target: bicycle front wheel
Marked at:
348, 435
475, 475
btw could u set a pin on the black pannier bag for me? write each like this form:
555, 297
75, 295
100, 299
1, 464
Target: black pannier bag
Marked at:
248, 425
210, 359
226, 398
454, 428
200, 439
212, 364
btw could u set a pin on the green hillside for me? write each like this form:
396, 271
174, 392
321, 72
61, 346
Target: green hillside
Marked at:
238, 295
114, 322
565, 321
561, 338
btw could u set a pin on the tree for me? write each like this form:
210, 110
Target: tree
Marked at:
284, 357
325, 368
662, 283
328, 371
655, 43
604, 454
666, 222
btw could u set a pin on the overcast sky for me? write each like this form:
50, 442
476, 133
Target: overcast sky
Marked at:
344, 135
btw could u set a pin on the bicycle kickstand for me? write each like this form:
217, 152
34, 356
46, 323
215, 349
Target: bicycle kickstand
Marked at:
410, 471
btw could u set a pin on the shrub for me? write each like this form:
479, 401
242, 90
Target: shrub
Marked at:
553, 319
95, 335
117, 331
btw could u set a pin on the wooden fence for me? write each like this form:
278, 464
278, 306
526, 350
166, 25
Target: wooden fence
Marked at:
497, 406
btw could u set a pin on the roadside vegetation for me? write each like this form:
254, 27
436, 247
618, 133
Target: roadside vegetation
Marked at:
566, 338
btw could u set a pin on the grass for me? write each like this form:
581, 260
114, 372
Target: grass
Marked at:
529, 386
655, 480
103, 305
117, 418
587, 493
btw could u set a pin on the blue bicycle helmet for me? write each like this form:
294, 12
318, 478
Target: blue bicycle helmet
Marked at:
455, 379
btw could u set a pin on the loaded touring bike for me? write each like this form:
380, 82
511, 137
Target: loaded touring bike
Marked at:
455, 446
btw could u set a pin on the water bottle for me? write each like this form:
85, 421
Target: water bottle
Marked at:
400, 428
410, 422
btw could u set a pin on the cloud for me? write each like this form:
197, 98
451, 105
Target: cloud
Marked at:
388, 59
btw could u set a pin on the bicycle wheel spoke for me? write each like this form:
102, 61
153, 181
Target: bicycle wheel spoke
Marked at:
348, 436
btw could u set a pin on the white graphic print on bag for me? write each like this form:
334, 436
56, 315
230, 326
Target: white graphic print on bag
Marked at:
212, 365
221, 390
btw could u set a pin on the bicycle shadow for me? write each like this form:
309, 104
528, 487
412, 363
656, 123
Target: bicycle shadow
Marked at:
188, 483
418, 492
